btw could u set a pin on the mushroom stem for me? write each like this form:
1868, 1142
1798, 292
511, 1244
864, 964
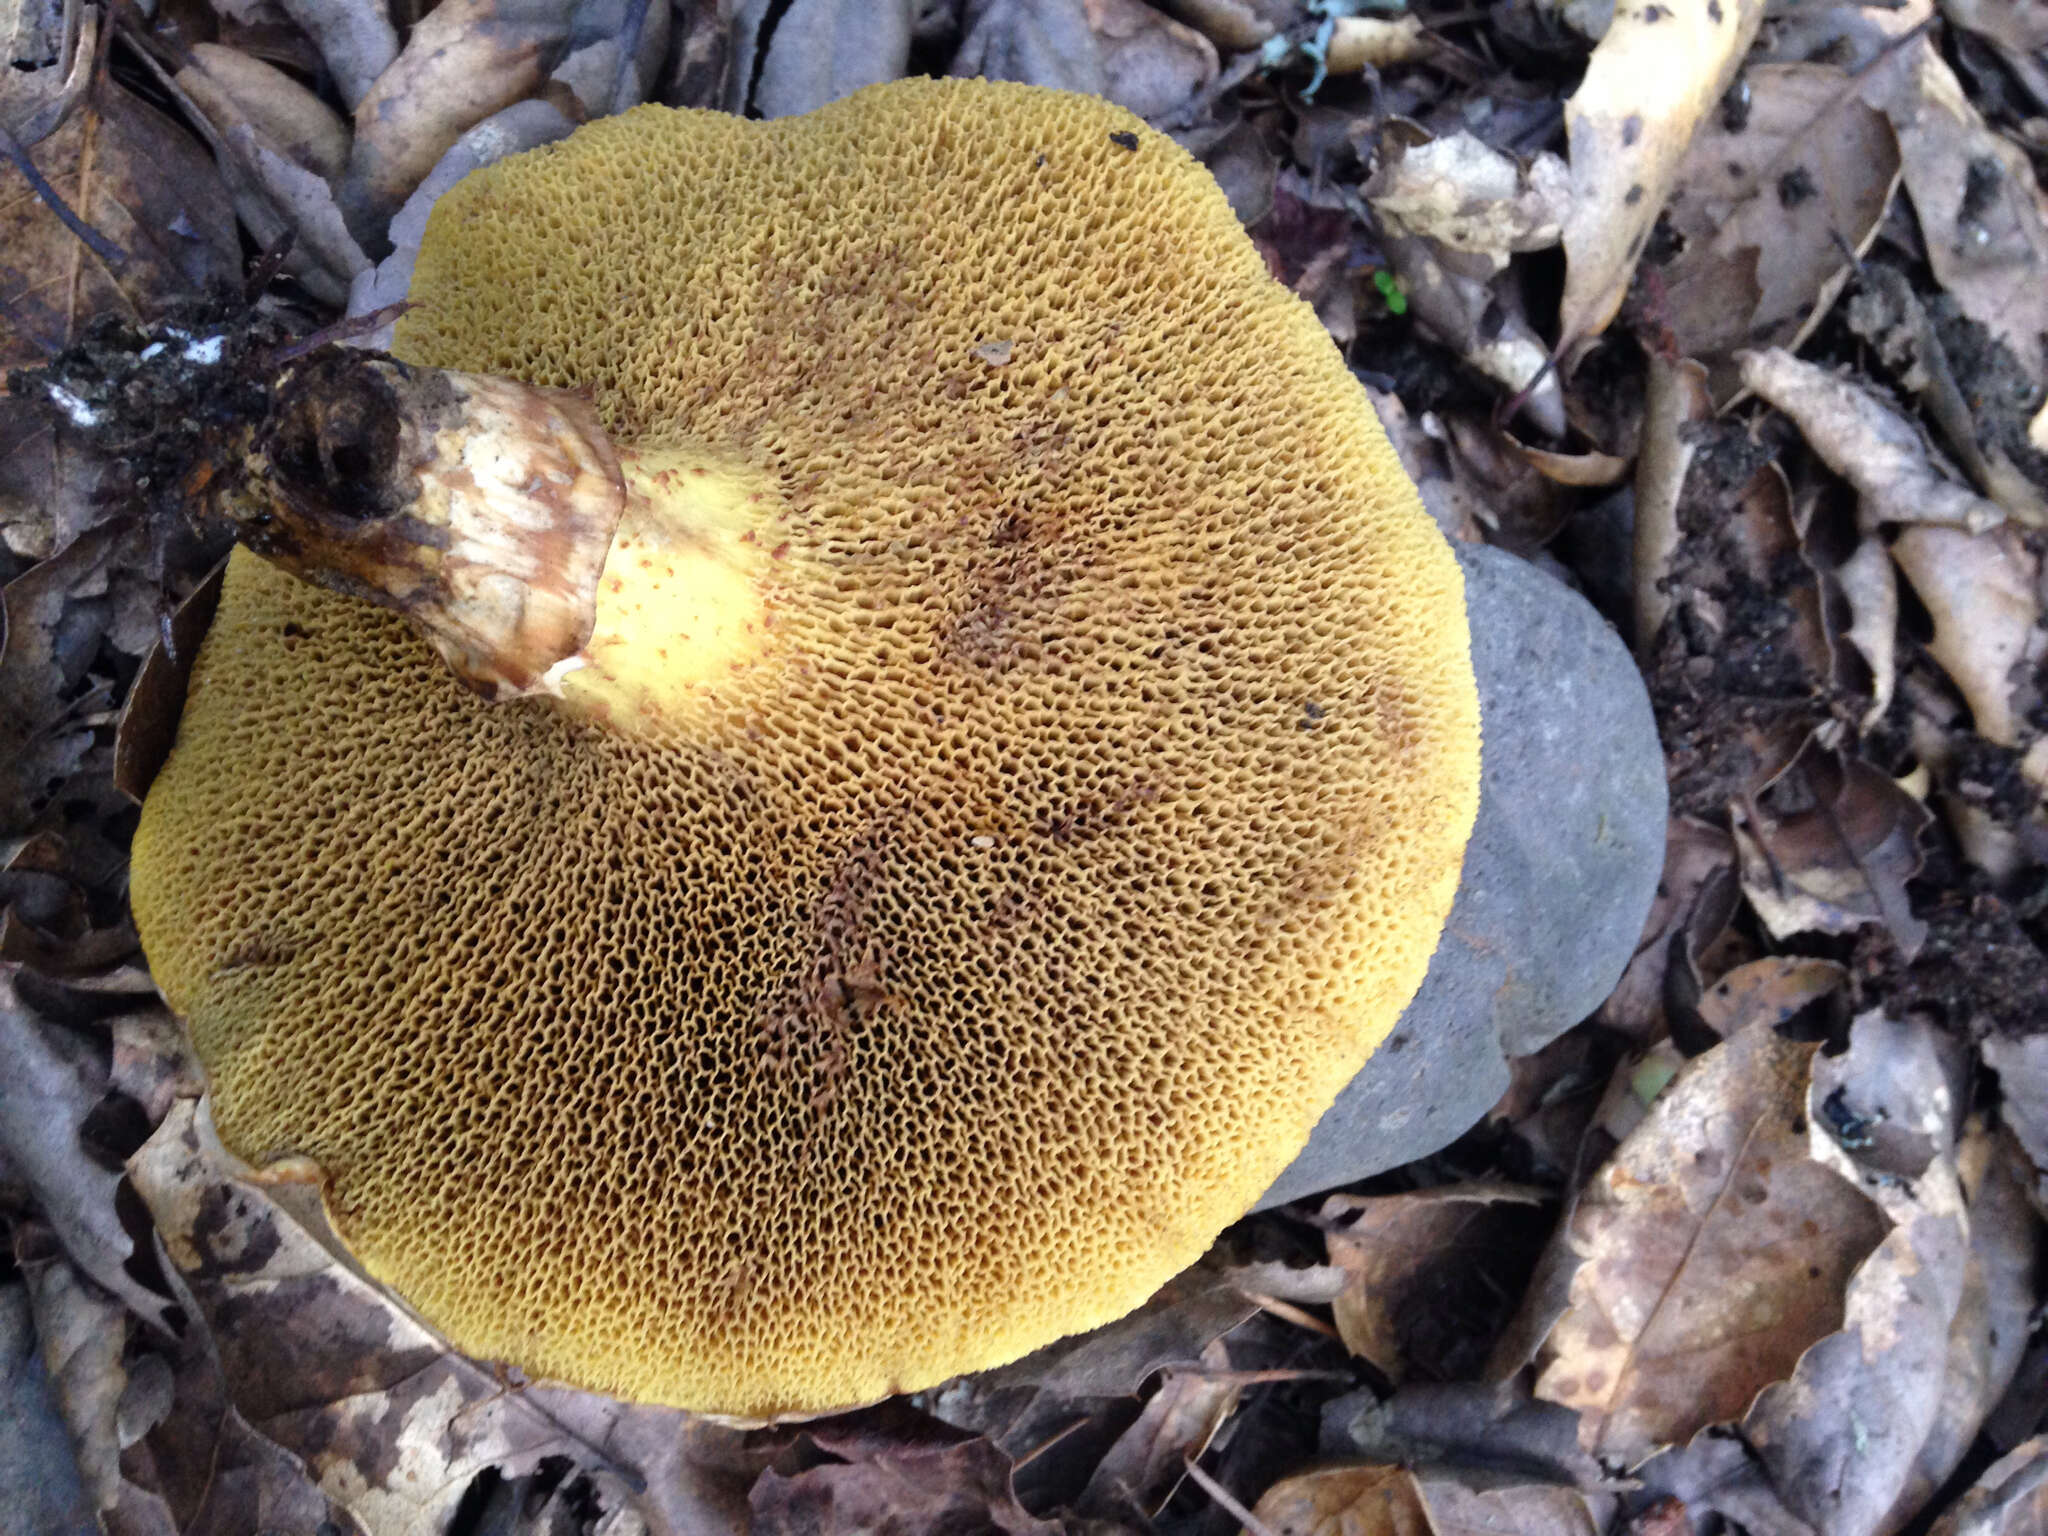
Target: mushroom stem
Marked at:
480, 509
681, 605
529, 550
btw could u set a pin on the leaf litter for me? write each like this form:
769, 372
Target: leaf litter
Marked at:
1736, 320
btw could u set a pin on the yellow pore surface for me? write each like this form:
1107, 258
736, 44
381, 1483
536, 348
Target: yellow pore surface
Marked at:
979, 943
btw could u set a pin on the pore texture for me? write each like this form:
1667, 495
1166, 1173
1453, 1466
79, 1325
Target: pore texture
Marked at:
978, 950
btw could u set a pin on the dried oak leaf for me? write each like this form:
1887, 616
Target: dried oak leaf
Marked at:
1400, 1253
1714, 1249
1145, 1466
1656, 73
1769, 206
1829, 848
55, 1080
1769, 992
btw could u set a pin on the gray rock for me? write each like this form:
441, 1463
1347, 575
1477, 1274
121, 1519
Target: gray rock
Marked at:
1558, 877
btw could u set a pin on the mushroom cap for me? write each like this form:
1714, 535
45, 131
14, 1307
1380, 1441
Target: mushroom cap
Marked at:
964, 963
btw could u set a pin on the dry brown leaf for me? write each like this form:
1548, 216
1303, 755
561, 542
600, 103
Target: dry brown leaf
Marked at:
392, 1424
1677, 399
1151, 64
1397, 1252
1869, 583
1841, 1435
465, 60
1773, 208
53, 1081
1868, 444
1830, 848
1592, 468
1696, 898
1393, 1501
1983, 596
110, 1397
1466, 195
2010, 1499
889, 1472
1657, 72
1993, 1318
2021, 1063
1768, 992
1146, 1464
1345, 1501
1715, 1251
232, 87
356, 41
1380, 42
1981, 212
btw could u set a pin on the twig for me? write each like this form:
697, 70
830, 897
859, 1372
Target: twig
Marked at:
1224, 1497
1289, 1312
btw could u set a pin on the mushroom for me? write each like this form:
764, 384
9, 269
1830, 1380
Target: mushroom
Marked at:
1069, 803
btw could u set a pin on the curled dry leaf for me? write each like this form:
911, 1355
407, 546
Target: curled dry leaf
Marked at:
1466, 195
1696, 898
110, 1398
1830, 848
1377, 42
2021, 1062
1870, 584
37, 1470
1677, 399
465, 60
1989, 1333
1657, 72
1768, 992
230, 86
1038, 42
1769, 207
1981, 212
1151, 64
1456, 298
391, 1423
356, 41
1401, 1252
1715, 1251
1841, 1435
1868, 444
2010, 1499
1146, 1464
1983, 594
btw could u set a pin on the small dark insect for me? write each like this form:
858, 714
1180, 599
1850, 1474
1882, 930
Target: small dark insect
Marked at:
1848, 1126
1124, 140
